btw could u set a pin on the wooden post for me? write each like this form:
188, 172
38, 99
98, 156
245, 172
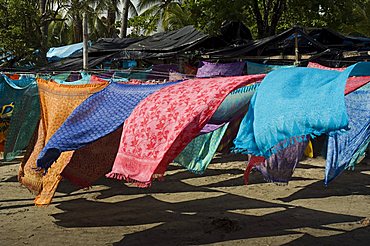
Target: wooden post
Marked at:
296, 48
85, 30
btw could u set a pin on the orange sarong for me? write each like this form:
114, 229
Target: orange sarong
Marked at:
57, 103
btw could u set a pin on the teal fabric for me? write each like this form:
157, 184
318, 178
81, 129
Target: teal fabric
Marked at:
60, 77
359, 154
84, 80
295, 102
234, 104
23, 123
11, 93
136, 74
257, 68
198, 153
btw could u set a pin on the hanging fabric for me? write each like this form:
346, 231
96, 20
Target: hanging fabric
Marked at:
342, 147
23, 123
57, 103
96, 117
287, 109
163, 124
11, 93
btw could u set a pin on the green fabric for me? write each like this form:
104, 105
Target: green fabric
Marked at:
23, 123
136, 74
85, 79
198, 153
60, 77
358, 155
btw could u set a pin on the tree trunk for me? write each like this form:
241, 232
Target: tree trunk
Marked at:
77, 29
124, 19
111, 18
44, 28
278, 12
272, 12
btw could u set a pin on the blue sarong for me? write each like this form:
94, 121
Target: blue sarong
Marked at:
345, 148
292, 103
99, 115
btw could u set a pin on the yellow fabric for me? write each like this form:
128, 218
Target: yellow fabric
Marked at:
309, 150
57, 103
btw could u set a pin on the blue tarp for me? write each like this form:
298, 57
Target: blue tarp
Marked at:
57, 53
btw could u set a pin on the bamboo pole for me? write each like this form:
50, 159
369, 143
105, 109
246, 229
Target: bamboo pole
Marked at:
85, 30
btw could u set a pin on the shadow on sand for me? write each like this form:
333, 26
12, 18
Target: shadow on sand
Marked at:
220, 217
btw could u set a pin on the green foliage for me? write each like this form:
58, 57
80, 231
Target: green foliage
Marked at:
19, 29
22, 24
161, 12
361, 23
208, 15
59, 33
143, 25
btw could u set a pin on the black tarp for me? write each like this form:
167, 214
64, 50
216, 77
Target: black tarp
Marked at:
76, 63
231, 44
112, 44
283, 43
104, 49
160, 45
333, 39
182, 39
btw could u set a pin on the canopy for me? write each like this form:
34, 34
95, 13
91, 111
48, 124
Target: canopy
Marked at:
57, 53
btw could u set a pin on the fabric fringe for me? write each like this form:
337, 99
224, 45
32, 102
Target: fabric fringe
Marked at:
121, 177
286, 143
245, 89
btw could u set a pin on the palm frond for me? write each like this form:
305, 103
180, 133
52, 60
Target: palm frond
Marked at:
132, 8
144, 4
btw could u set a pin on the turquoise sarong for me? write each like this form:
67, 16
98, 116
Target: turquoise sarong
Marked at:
295, 102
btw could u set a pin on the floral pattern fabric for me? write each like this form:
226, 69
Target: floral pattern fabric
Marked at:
163, 124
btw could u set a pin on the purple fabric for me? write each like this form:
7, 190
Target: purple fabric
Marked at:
106, 75
210, 128
280, 166
74, 76
161, 71
208, 69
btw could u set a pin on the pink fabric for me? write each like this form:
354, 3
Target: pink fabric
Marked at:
97, 80
316, 65
254, 161
163, 124
353, 83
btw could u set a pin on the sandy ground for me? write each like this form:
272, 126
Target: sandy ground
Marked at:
186, 209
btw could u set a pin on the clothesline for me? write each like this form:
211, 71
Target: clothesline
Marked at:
99, 72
